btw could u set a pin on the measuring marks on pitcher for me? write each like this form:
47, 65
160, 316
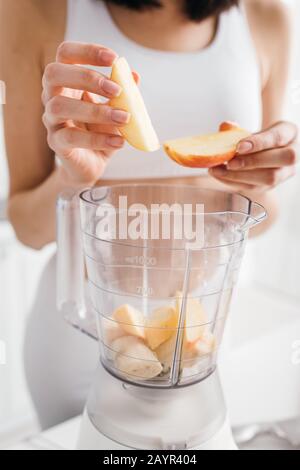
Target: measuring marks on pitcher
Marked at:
141, 261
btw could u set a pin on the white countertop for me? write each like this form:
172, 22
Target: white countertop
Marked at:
62, 437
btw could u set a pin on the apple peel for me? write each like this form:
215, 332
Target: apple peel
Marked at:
207, 151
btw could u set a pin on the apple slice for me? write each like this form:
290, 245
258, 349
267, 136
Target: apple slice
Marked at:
228, 126
203, 347
191, 354
165, 353
195, 319
207, 151
139, 132
209, 338
130, 320
161, 325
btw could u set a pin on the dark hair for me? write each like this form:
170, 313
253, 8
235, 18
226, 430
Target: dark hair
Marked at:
194, 9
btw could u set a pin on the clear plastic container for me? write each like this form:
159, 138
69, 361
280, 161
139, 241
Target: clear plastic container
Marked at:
160, 303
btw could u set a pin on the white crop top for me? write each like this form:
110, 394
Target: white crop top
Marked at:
185, 93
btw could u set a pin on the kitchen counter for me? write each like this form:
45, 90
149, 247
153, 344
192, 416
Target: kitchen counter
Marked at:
64, 437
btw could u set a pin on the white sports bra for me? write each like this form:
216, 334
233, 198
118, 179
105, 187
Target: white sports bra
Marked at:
185, 93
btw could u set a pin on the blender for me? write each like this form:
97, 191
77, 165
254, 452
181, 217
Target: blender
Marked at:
148, 270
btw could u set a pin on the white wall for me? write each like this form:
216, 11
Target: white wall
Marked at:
277, 254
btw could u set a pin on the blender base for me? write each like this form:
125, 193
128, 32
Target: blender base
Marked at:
91, 439
119, 416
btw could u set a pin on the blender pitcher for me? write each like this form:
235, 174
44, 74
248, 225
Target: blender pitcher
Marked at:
149, 270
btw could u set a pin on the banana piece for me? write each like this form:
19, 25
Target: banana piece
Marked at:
130, 320
111, 330
161, 325
134, 358
121, 344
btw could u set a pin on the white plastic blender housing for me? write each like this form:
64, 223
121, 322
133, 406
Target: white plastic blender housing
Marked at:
157, 305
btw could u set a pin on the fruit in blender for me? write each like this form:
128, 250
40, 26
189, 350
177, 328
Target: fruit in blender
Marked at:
130, 320
111, 330
195, 318
145, 347
191, 353
207, 151
161, 325
165, 353
134, 358
209, 339
202, 347
139, 132
121, 344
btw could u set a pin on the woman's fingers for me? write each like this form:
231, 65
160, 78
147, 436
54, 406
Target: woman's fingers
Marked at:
275, 158
238, 187
61, 109
105, 128
270, 177
264, 160
66, 139
85, 54
75, 116
57, 76
279, 135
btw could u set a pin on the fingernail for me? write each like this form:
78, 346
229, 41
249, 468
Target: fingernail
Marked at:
245, 147
110, 87
119, 116
236, 164
115, 141
107, 57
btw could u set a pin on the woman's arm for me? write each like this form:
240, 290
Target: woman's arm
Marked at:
272, 157
34, 184
83, 134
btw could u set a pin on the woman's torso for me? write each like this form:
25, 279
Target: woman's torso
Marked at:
185, 93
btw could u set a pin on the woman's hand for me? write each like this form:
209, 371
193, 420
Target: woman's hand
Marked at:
264, 160
81, 131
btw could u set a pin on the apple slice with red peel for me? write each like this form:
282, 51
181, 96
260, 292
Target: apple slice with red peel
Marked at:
139, 132
207, 151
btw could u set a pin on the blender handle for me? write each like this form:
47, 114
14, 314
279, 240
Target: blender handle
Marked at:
257, 213
70, 259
